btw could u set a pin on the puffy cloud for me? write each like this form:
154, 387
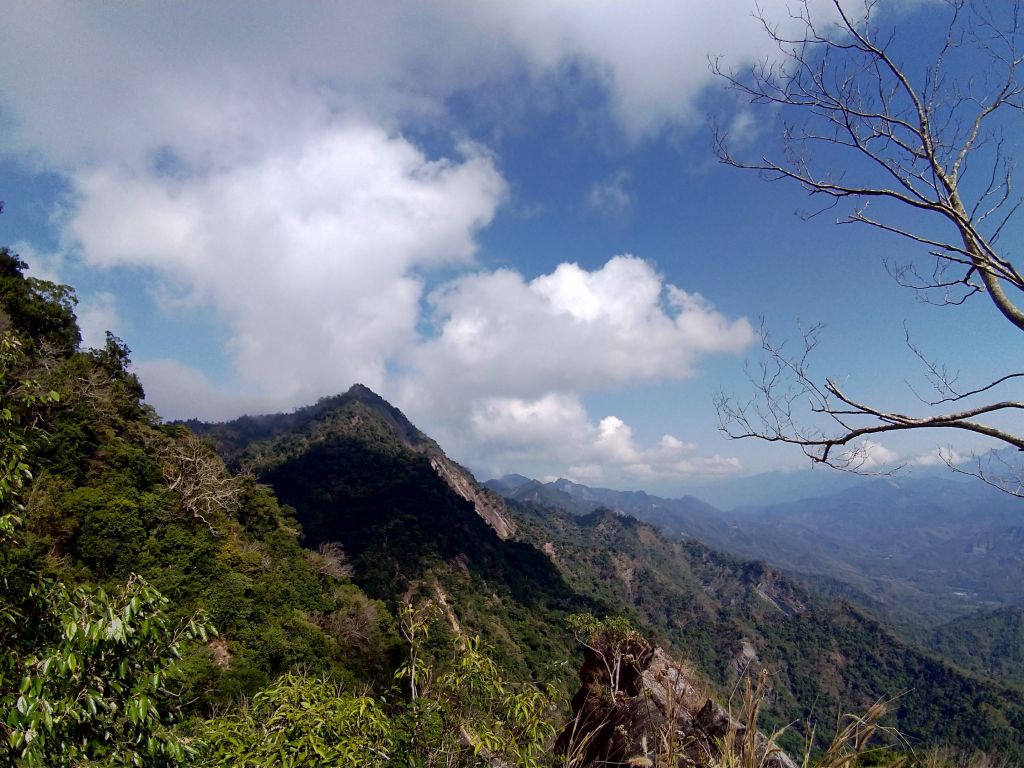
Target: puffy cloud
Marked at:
279, 191
868, 454
310, 256
572, 330
555, 431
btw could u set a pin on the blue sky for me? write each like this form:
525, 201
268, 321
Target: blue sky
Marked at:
505, 218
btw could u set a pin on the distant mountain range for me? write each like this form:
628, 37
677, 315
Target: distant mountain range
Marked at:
921, 550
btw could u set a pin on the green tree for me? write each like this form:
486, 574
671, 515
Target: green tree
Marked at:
302, 722
42, 311
96, 688
84, 675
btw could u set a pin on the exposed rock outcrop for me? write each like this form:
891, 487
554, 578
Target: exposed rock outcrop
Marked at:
487, 504
655, 715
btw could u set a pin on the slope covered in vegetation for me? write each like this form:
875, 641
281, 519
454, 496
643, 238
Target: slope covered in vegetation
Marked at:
728, 615
357, 472
159, 609
989, 642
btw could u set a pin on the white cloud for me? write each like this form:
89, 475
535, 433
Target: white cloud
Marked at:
280, 191
183, 392
555, 431
572, 330
310, 256
45, 266
868, 454
96, 315
611, 196
938, 457
197, 81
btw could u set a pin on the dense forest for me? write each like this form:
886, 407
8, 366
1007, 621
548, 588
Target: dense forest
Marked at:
327, 588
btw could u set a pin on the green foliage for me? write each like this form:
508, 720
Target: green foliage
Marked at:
84, 675
350, 469
97, 685
469, 715
301, 722
41, 311
824, 657
613, 641
465, 715
988, 642
19, 404
90, 672
114, 494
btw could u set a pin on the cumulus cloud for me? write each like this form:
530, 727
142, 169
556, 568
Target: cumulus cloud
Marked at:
310, 256
505, 370
280, 191
868, 455
571, 330
554, 430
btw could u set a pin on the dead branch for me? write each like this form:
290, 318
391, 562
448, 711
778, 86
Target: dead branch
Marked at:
907, 138
198, 477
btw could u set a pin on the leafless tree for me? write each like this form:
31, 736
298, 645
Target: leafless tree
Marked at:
203, 485
918, 146
330, 561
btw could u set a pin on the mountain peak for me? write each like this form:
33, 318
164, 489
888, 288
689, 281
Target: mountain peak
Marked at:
396, 421
359, 414
362, 392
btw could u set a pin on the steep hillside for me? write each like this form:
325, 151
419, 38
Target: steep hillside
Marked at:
728, 614
119, 499
117, 534
356, 472
989, 642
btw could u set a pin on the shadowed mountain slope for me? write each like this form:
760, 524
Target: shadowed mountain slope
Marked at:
357, 472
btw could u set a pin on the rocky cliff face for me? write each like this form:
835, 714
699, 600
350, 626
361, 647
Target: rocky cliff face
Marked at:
487, 504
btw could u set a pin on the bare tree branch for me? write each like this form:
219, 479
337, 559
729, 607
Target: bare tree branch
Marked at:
911, 135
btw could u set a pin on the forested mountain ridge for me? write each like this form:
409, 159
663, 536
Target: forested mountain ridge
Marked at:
727, 614
120, 528
357, 472
262, 442
360, 470
133, 544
